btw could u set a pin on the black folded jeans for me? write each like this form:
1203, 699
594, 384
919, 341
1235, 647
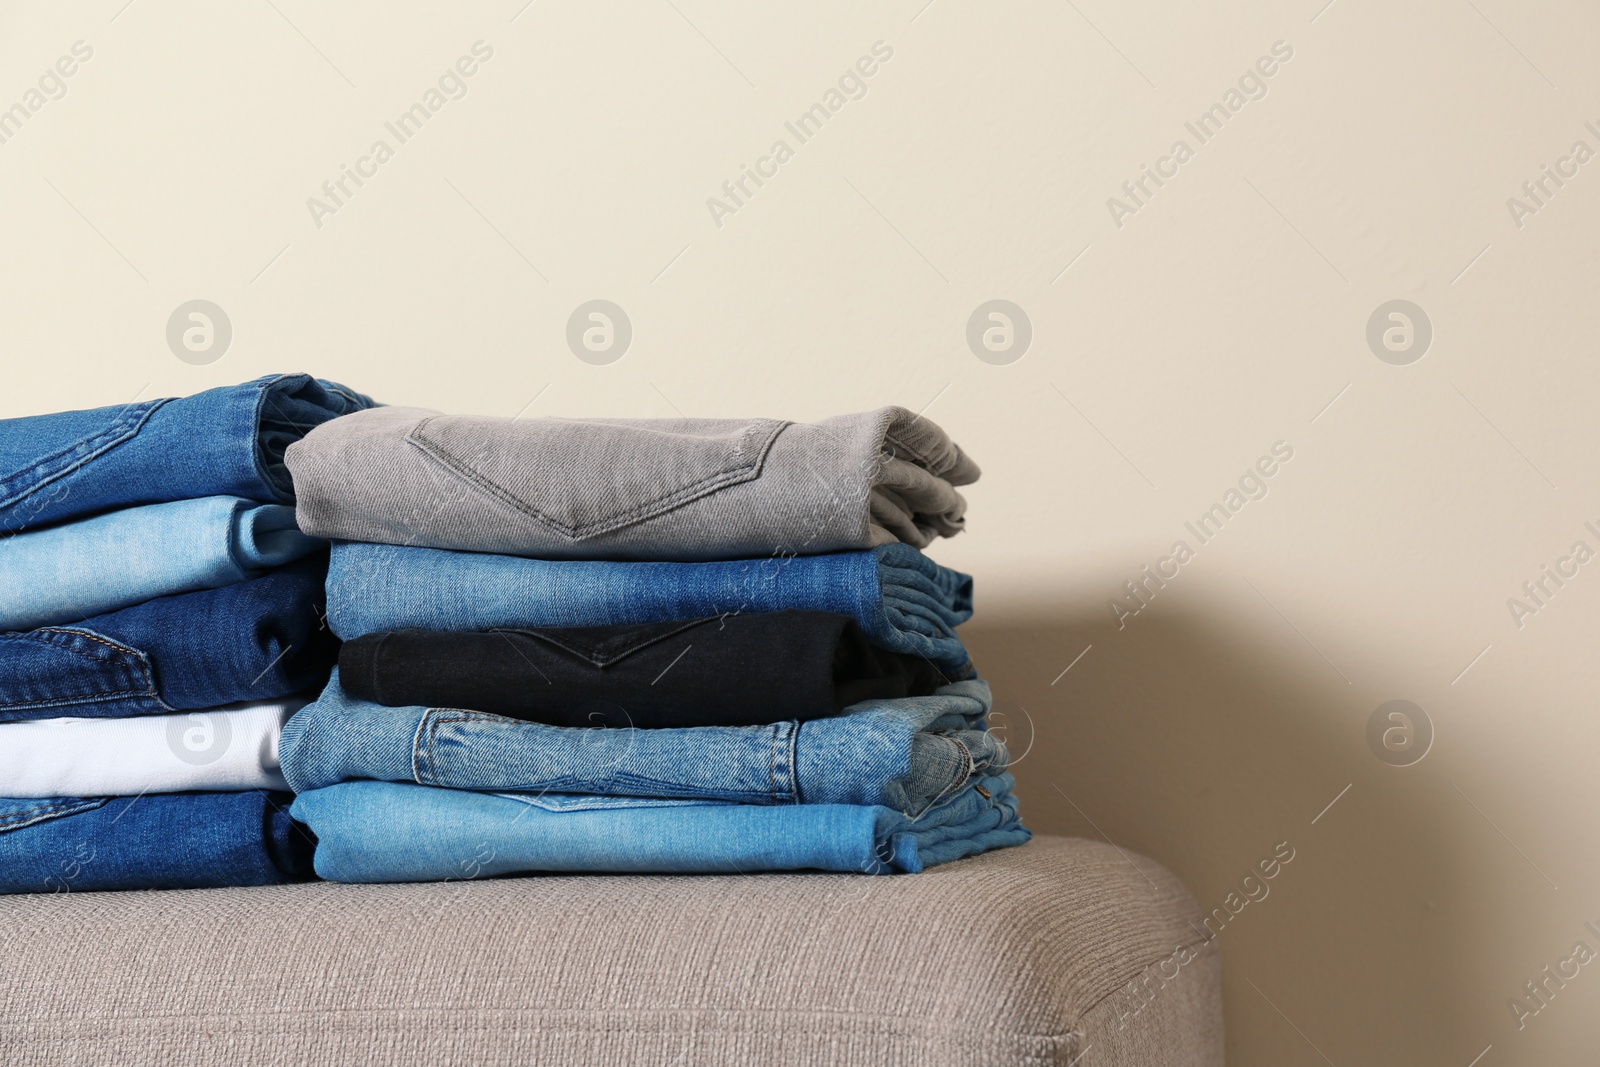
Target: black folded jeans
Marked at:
731, 670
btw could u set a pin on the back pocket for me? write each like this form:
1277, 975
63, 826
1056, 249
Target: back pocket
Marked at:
565, 802
18, 814
42, 449
60, 667
584, 478
604, 646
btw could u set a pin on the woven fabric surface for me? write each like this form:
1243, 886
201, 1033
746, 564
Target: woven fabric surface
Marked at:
1021, 956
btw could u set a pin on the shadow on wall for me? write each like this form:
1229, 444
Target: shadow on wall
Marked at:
1186, 742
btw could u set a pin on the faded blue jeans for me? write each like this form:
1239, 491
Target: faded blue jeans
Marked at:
92, 566
383, 832
902, 600
904, 754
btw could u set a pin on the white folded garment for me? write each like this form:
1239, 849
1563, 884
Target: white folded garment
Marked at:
223, 750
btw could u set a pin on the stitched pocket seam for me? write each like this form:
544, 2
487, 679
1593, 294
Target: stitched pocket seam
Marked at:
46, 810
21, 484
596, 658
748, 470
126, 658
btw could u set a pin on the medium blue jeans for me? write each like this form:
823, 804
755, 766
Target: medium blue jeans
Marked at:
905, 754
383, 832
254, 640
222, 442
155, 841
92, 566
902, 600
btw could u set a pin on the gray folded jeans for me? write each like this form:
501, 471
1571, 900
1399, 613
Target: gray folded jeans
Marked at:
623, 489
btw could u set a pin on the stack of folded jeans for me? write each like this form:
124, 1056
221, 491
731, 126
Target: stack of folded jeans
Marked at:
684, 645
160, 619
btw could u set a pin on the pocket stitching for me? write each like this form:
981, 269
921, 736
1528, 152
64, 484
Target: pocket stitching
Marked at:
639, 513
130, 657
48, 810
600, 801
21, 484
607, 661
422, 753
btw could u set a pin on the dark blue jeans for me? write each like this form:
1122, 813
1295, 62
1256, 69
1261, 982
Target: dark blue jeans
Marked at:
155, 841
222, 442
901, 599
254, 640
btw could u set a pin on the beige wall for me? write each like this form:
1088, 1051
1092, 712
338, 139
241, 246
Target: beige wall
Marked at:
1170, 352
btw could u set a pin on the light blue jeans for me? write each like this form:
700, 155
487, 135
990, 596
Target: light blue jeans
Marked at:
904, 754
902, 600
384, 832
65, 574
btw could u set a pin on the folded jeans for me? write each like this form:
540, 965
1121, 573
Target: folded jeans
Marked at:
643, 489
65, 574
732, 670
252, 640
159, 841
905, 754
222, 442
383, 832
901, 599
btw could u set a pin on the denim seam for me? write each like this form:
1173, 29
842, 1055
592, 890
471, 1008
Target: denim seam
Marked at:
50, 469
87, 636
969, 768
588, 655
618, 520
431, 722
436, 717
54, 806
24, 813
139, 662
97, 698
772, 763
793, 741
423, 725
783, 740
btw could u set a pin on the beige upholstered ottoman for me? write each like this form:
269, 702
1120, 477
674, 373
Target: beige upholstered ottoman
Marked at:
1058, 952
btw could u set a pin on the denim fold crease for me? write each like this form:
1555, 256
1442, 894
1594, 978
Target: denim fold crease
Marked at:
902, 600
641, 489
905, 753
385, 832
228, 441
65, 574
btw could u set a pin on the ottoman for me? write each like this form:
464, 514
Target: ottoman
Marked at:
1058, 952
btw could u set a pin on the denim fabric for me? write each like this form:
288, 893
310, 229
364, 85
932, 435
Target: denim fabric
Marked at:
159, 841
642, 489
904, 754
382, 832
253, 640
902, 600
729, 670
228, 749
222, 442
68, 573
